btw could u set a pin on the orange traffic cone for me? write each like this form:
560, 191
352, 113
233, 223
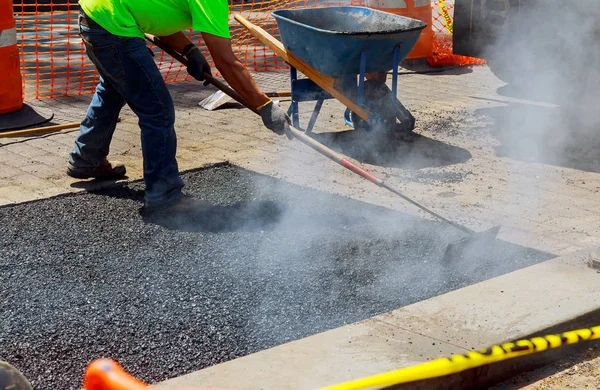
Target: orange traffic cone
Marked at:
13, 113
11, 90
106, 374
415, 9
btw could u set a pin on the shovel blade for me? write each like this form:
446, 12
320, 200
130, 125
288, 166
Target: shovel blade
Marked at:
214, 101
476, 242
220, 98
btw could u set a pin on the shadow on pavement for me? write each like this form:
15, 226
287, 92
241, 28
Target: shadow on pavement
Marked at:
559, 136
243, 216
420, 152
97, 184
421, 66
517, 92
249, 216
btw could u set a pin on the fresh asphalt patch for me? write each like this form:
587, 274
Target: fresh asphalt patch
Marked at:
83, 276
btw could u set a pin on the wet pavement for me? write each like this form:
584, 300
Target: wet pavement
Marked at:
82, 276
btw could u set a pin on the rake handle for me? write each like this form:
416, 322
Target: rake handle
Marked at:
431, 212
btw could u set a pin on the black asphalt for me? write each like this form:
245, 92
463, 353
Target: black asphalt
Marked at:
82, 276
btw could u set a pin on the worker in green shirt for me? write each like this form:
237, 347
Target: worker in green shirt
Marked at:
113, 33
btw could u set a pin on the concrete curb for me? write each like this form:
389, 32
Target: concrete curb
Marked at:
562, 293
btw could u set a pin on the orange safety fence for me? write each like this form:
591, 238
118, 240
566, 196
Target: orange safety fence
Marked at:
443, 14
54, 63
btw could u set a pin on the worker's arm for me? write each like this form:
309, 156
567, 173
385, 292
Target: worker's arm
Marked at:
238, 77
227, 63
177, 41
197, 64
233, 71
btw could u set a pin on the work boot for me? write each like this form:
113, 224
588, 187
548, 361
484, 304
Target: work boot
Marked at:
12, 379
106, 170
184, 213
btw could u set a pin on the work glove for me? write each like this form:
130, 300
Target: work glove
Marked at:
197, 65
275, 118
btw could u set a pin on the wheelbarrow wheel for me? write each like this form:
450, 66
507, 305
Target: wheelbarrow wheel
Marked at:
380, 100
387, 126
391, 133
359, 123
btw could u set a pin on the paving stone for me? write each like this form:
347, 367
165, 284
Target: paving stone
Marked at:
233, 136
30, 181
40, 170
4, 201
17, 161
52, 160
8, 172
228, 145
26, 150
17, 193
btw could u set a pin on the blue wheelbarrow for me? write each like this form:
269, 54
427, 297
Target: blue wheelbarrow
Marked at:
346, 53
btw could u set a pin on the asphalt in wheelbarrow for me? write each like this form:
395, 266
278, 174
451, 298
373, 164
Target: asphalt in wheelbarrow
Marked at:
82, 276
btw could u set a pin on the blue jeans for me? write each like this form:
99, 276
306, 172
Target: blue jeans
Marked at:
129, 75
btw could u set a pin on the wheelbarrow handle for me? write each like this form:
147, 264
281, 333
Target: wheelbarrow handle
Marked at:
328, 84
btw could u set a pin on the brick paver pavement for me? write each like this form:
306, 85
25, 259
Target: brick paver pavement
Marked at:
467, 162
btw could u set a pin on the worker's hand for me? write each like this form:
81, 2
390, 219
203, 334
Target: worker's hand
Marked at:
275, 118
197, 65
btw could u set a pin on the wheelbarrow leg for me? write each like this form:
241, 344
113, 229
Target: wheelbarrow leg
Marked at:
315, 114
406, 119
395, 72
361, 79
294, 105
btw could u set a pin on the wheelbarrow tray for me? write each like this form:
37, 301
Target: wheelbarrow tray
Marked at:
332, 39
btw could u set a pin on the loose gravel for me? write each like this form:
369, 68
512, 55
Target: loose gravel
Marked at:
82, 276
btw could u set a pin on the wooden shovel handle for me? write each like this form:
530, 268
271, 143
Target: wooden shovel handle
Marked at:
38, 130
325, 82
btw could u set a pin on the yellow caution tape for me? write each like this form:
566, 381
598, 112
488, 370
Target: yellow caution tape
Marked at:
446, 16
458, 363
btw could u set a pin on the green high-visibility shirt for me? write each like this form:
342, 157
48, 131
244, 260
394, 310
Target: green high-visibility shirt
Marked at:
133, 18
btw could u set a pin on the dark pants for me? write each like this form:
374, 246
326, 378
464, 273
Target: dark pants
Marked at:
128, 74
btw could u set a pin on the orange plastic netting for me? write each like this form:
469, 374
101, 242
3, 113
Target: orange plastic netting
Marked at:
443, 12
53, 60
